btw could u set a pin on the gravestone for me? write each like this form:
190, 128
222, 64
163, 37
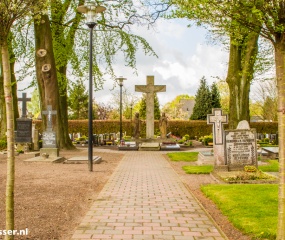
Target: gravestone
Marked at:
240, 147
150, 89
49, 148
24, 124
49, 136
217, 119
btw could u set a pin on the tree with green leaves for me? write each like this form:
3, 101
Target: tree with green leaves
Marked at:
8, 15
223, 89
34, 106
243, 47
203, 101
265, 18
173, 108
78, 101
69, 42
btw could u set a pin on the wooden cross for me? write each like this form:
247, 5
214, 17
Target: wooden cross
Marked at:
49, 112
24, 101
217, 119
150, 89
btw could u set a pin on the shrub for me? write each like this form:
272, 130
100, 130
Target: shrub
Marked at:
207, 139
250, 169
3, 144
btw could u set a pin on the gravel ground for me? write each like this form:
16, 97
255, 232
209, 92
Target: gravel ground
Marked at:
51, 199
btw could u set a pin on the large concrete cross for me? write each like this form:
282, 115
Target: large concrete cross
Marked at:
49, 112
24, 101
217, 119
150, 89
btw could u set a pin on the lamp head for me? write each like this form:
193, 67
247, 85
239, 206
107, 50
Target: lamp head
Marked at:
121, 79
91, 10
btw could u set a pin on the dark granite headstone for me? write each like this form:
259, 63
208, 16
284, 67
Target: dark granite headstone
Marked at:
24, 130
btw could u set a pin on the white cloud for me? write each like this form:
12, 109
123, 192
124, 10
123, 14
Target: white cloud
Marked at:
183, 59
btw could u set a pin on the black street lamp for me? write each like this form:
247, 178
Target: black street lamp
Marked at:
121, 79
132, 105
91, 10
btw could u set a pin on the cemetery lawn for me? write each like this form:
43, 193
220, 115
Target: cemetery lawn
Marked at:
183, 156
273, 166
252, 208
204, 169
52, 198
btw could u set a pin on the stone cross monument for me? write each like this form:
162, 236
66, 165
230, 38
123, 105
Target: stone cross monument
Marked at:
218, 120
49, 112
24, 101
24, 126
150, 89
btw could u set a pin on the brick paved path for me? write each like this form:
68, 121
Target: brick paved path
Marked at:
145, 199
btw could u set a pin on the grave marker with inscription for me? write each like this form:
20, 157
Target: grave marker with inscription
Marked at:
240, 147
24, 124
49, 136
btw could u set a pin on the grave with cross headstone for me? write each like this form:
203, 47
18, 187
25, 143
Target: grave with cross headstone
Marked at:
49, 148
217, 119
24, 125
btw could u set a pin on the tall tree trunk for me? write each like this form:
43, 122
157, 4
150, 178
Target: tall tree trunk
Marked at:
280, 74
240, 74
10, 139
13, 78
3, 119
46, 73
65, 141
63, 42
14, 92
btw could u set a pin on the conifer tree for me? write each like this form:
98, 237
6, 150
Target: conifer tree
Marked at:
203, 101
215, 95
156, 108
78, 101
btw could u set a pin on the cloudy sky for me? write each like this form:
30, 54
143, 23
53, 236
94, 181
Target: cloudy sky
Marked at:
184, 57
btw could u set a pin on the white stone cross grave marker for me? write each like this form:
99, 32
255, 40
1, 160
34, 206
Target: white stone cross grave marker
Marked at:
49, 112
150, 89
217, 119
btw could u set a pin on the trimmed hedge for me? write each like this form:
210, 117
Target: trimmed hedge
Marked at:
179, 128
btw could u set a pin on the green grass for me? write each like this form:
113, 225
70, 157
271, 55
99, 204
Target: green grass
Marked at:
252, 208
204, 169
273, 166
183, 156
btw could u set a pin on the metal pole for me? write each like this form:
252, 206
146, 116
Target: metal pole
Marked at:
90, 115
121, 85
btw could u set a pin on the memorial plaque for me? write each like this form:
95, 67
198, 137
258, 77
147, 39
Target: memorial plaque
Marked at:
240, 148
24, 130
49, 139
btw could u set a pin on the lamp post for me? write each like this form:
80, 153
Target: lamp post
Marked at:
91, 10
132, 104
120, 79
